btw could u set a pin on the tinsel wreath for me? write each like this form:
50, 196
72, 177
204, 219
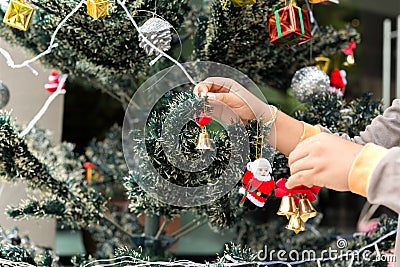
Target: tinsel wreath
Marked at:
239, 38
104, 51
269, 237
221, 213
66, 197
333, 112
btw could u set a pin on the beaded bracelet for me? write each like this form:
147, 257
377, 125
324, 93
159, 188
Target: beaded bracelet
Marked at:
273, 117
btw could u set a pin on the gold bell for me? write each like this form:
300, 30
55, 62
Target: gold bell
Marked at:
287, 207
306, 210
204, 141
295, 224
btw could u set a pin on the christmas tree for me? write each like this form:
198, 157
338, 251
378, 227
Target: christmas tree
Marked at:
113, 54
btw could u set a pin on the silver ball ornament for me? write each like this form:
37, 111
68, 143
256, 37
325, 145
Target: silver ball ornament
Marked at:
308, 81
4, 95
157, 31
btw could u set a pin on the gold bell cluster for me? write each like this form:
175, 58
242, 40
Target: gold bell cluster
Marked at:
97, 8
297, 215
19, 15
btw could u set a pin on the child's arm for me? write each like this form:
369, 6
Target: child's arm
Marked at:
375, 171
286, 131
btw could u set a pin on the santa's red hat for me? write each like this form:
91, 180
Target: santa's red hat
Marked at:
338, 81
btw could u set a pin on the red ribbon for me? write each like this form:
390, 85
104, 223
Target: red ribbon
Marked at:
282, 191
202, 120
348, 51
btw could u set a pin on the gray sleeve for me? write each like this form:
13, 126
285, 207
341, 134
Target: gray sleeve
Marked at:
384, 182
384, 130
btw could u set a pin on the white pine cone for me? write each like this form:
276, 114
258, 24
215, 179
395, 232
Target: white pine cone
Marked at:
157, 31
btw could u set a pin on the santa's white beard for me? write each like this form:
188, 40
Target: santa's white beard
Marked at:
262, 178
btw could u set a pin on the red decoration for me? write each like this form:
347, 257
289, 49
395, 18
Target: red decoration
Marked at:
349, 50
282, 190
89, 170
54, 80
289, 25
202, 120
338, 81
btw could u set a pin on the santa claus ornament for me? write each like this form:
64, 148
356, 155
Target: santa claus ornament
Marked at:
257, 183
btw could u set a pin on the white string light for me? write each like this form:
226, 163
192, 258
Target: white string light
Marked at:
52, 44
46, 105
133, 262
5, 262
3, 185
122, 3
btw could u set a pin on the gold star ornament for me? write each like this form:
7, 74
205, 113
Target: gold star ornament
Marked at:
97, 8
19, 15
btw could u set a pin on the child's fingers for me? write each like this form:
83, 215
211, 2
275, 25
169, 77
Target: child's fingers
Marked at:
301, 178
301, 165
214, 84
298, 153
201, 89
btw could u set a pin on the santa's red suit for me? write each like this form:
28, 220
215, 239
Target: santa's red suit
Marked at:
257, 190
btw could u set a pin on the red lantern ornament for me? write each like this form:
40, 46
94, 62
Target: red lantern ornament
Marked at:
89, 170
289, 25
54, 79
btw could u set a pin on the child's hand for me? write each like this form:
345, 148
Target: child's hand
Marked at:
322, 160
235, 96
